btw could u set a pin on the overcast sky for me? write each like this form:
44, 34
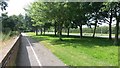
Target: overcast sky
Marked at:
16, 6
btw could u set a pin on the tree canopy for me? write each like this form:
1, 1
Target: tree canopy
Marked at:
74, 15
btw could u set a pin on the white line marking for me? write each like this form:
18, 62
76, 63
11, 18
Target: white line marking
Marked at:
34, 53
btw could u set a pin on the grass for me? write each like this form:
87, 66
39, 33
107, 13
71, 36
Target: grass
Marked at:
81, 52
4, 37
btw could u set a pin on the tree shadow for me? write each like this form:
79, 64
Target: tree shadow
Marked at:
86, 42
76, 41
37, 38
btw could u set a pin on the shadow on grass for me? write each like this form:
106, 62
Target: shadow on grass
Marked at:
38, 38
86, 42
75, 41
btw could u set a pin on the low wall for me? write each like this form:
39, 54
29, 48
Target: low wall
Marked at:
9, 60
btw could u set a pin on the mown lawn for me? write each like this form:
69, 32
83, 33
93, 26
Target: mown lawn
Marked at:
87, 51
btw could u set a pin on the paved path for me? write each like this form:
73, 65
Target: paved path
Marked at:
32, 53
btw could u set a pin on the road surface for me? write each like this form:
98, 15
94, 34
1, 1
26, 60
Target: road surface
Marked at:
32, 53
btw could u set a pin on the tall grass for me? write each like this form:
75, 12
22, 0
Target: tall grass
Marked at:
5, 36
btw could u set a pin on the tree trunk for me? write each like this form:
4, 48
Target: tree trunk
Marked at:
36, 30
80, 30
117, 27
116, 32
110, 30
55, 27
44, 30
68, 31
95, 28
41, 31
60, 31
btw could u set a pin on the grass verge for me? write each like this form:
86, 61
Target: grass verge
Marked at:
81, 52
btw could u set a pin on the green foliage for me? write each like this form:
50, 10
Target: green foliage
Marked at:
3, 5
4, 37
62, 12
73, 14
10, 25
12, 22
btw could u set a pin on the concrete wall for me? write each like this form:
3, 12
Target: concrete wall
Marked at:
10, 59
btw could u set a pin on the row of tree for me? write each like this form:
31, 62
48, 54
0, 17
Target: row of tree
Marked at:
13, 22
100, 30
74, 15
43, 15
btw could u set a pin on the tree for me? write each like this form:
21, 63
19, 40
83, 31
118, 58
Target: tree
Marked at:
28, 23
117, 16
114, 8
3, 5
68, 25
11, 23
108, 15
113, 11
36, 16
94, 13
47, 12
79, 13
63, 14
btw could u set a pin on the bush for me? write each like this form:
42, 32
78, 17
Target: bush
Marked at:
6, 30
5, 36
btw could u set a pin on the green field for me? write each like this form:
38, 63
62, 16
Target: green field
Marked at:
87, 51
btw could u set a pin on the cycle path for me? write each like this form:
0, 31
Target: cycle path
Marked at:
33, 53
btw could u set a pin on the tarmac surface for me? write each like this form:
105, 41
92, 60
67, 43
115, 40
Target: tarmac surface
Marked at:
32, 53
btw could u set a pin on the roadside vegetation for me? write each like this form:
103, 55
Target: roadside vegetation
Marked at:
70, 17
7, 39
4, 36
9, 25
87, 51
64, 16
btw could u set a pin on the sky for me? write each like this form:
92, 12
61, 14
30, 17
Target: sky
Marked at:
17, 6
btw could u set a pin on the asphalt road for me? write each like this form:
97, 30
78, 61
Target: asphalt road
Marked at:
32, 53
